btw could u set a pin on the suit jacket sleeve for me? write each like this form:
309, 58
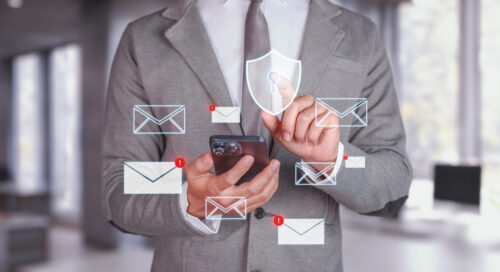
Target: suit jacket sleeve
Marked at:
156, 215
382, 187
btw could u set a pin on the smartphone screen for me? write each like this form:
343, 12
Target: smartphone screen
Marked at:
227, 150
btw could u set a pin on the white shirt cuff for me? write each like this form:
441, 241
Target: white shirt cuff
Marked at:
202, 225
338, 164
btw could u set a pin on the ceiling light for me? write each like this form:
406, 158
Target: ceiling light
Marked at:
15, 3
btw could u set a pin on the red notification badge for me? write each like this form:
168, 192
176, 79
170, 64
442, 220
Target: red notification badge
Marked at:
211, 108
345, 157
278, 220
180, 162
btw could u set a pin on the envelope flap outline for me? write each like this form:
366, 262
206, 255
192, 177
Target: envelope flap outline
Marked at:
226, 111
356, 159
303, 231
152, 180
312, 174
212, 201
341, 114
157, 121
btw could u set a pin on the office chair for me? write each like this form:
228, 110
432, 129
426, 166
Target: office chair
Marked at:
457, 183
4, 174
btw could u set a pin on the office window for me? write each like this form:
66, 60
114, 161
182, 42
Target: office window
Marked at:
429, 48
490, 70
28, 131
490, 93
65, 65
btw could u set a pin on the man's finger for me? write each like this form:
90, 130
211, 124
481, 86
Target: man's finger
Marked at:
271, 122
285, 87
253, 206
260, 181
199, 166
328, 134
326, 117
289, 120
232, 176
305, 119
226, 202
266, 193
315, 132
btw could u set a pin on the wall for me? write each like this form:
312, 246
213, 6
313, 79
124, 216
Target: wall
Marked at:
5, 108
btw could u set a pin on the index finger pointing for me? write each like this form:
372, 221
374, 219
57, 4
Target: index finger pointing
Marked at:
285, 87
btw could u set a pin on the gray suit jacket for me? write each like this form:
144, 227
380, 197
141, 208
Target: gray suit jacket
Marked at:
166, 58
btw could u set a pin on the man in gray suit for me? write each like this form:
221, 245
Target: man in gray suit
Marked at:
192, 54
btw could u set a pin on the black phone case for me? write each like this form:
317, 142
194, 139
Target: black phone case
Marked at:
250, 145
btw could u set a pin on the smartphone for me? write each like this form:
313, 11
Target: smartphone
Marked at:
227, 150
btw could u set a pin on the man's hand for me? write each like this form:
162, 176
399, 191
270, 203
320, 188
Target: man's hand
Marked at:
202, 183
297, 131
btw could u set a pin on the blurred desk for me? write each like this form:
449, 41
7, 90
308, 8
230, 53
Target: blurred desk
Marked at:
23, 239
126, 260
15, 199
429, 235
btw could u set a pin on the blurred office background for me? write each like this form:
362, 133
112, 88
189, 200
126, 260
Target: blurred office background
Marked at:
54, 63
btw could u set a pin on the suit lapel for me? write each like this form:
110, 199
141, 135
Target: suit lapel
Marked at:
190, 39
321, 38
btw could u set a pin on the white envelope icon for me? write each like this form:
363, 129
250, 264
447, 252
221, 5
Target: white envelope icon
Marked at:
351, 112
226, 115
302, 232
152, 178
237, 204
355, 162
306, 169
159, 119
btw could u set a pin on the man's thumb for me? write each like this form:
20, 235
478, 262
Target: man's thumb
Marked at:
271, 122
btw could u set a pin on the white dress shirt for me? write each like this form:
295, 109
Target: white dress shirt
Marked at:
224, 22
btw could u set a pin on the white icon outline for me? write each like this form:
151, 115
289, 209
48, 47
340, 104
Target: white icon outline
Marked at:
228, 115
351, 110
178, 109
302, 181
313, 232
152, 178
273, 86
240, 200
355, 162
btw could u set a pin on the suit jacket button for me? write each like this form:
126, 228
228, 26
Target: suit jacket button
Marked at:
259, 214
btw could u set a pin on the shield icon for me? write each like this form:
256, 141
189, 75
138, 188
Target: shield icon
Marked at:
263, 90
